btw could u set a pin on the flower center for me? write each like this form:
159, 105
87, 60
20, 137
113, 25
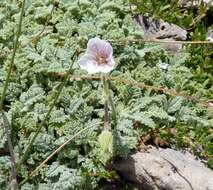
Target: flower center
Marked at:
101, 59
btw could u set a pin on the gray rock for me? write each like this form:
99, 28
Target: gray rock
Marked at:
165, 169
160, 30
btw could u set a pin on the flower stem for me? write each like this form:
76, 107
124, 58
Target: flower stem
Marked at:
112, 105
13, 57
106, 106
13, 183
63, 83
6, 124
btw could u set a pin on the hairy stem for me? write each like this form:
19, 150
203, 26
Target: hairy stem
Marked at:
63, 83
13, 182
112, 105
106, 104
13, 57
6, 124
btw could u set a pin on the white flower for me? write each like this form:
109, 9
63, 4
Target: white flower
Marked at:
210, 37
210, 104
98, 57
164, 66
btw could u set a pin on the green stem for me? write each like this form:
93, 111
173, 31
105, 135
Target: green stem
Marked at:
6, 124
112, 105
106, 100
13, 57
27, 150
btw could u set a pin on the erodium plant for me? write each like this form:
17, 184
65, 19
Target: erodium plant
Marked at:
46, 106
99, 59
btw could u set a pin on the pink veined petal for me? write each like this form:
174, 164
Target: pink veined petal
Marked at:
98, 46
88, 63
107, 50
85, 59
110, 61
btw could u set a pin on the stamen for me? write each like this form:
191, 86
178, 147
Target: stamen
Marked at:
101, 59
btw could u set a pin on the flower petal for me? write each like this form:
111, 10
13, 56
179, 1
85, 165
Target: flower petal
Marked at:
98, 46
105, 68
110, 61
88, 63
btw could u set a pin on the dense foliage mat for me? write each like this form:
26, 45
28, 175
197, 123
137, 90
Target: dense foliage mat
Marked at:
52, 31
